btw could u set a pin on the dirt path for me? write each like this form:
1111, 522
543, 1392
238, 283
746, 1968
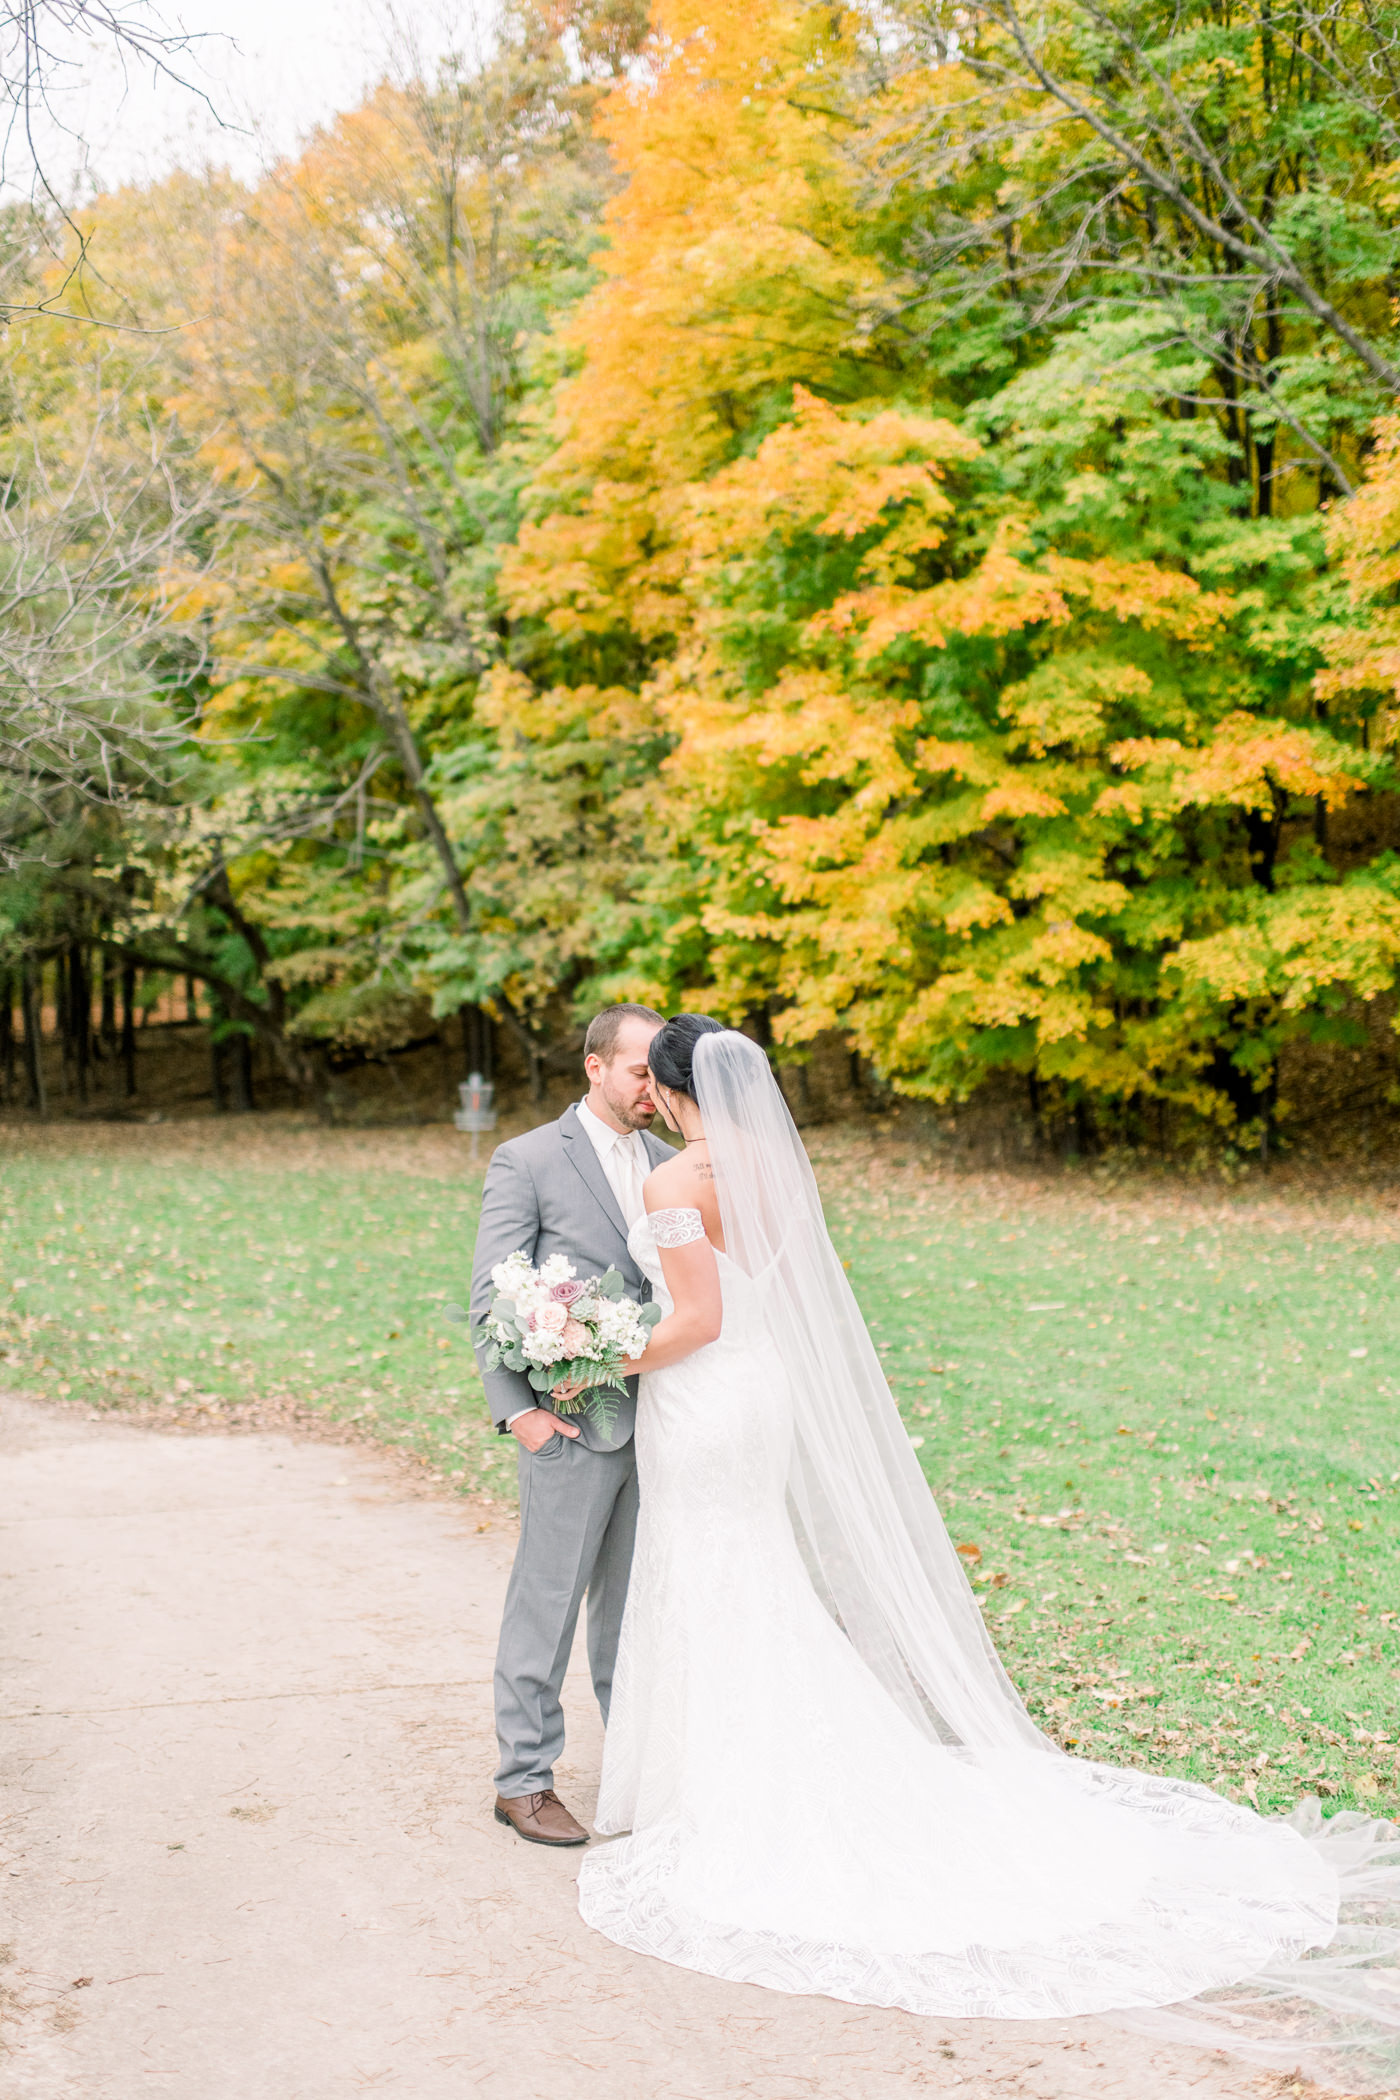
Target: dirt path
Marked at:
248, 1849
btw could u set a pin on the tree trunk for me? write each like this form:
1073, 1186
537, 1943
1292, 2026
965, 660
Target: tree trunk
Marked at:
80, 1017
7, 1034
62, 1015
109, 1002
533, 1054
33, 995
218, 1080
1264, 833
1034, 1095
242, 1047
1264, 470
1237, 1086
191, 1002
129, 1028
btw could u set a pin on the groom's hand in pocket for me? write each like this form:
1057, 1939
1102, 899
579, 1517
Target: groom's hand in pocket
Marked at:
537, 1425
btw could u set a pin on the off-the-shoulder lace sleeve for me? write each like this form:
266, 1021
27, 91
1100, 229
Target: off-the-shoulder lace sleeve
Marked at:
677, 1228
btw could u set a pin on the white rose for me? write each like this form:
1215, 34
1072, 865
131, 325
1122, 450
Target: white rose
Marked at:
542, 1347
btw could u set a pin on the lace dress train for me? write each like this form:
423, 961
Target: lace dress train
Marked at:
789, 1825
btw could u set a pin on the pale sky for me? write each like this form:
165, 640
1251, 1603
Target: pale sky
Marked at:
272, 68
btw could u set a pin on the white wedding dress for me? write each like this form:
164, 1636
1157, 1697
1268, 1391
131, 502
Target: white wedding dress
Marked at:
793, 1823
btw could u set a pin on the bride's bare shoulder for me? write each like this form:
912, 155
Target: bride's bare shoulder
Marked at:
665, 1184
686, 1182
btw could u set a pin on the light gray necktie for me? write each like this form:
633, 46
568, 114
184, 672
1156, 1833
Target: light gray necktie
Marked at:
631, 1174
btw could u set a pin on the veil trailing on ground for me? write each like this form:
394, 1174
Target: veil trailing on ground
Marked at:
880, 1558
870, 1531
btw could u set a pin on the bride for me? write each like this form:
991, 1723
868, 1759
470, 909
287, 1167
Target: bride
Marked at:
828, 1781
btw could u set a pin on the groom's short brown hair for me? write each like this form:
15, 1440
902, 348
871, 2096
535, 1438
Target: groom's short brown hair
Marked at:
605, 1028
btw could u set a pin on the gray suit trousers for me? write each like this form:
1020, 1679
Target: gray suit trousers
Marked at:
578, 1520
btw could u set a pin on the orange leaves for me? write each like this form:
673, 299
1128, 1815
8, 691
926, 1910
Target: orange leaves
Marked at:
809, 728
1002, 596
1365, 534
1295, 944
629, 550
1241, 763
967, 761
1156, 599
883, 615
1005, 595
931, 753
1245, 752
1365, 531
974, 906
917, 888
1018, 797
733, 262
840, 474
589, 570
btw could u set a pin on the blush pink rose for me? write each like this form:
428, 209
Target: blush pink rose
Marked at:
549, 1319
566, 1293
576, 1337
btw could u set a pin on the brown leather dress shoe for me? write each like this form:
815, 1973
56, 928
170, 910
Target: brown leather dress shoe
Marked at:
541, 1819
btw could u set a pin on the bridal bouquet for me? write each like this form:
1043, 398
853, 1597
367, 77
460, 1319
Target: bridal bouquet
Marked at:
560, 1330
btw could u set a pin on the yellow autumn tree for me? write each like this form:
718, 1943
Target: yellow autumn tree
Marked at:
984, 782
735, 267
946, 813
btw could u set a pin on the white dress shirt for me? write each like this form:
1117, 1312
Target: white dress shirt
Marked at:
623, 1159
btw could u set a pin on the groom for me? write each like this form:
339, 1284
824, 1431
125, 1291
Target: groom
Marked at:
573, 1187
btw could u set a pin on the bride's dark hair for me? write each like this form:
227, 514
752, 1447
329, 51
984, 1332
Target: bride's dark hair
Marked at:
672, 1051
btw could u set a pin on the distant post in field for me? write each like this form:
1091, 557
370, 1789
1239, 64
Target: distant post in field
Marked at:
476, 1113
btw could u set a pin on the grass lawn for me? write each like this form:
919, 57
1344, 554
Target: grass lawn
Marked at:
1161, 1421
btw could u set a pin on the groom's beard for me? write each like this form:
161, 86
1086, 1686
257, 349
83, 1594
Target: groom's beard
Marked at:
632, 1115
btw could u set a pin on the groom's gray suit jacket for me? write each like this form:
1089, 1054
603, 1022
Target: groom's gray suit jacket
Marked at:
547, 1192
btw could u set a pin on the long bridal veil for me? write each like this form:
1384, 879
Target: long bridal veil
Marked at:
870, 1531
881, 1560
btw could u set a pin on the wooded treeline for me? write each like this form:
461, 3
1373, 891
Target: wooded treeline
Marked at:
880, 524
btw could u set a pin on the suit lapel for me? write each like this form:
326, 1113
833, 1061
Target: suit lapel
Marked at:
579, 1152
